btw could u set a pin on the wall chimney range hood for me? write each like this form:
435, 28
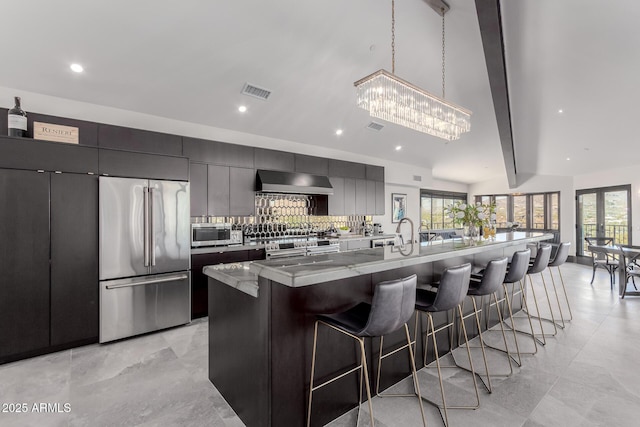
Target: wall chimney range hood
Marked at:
292, 182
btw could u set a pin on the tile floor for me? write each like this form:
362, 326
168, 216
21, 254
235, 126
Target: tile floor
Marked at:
585, 376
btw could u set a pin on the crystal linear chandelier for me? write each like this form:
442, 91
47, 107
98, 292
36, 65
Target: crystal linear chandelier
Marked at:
390, 98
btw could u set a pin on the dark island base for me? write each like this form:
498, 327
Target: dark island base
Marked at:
260, 348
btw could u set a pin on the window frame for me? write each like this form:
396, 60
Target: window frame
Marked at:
547, 208
442, 195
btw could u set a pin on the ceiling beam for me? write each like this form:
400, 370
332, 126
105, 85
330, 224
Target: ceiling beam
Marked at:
493, 43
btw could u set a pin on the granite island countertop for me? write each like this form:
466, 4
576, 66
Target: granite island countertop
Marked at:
305, 271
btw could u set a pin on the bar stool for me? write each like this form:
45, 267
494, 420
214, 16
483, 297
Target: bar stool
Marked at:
480, 285
515, 274
452, 290
391, 308
561, 257
540, 262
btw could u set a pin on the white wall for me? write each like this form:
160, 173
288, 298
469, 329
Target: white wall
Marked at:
618, 176
540, 183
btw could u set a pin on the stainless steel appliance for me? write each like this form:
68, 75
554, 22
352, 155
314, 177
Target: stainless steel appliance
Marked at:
301, 247
214, 234
144, 256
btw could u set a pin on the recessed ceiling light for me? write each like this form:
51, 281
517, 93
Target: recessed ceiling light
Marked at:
76, 68
398, 147
560, 111
339, 132
568, 158
242, 108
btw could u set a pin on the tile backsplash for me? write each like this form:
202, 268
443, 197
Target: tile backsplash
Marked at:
281, 215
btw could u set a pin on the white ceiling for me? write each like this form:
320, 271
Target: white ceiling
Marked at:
189, 61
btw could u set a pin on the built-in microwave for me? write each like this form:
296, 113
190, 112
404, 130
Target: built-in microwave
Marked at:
214, 234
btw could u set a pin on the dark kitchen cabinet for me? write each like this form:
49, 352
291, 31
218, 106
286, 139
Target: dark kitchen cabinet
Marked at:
49, 287
142, 165
242, 184
199, 292
274, 160
122, 138
74, 258
311, 164
347, 169
22, 153
375, 173
218, 190
349, 196
219, 153
371, 197
361, 197
24, 262
198, 189
336, 200
380, 198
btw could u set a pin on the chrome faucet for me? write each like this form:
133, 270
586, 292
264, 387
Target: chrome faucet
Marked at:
400, 225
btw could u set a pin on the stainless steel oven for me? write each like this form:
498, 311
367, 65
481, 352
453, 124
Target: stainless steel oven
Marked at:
214, 234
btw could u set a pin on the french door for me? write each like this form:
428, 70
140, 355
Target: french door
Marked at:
603, 212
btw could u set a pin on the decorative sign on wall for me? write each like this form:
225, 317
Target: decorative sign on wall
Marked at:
56, 133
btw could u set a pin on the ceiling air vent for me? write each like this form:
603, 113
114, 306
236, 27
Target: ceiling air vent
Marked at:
256, 92
417, 178
375, 126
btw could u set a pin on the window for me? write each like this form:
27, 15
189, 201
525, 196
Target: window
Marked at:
432, 206
520, 210
536, 211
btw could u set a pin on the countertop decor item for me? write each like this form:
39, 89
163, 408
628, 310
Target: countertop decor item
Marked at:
390, 98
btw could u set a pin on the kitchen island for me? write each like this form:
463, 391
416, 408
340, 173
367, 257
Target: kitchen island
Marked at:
262, 313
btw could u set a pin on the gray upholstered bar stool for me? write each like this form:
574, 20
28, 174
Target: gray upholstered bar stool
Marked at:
452, 290
539, 264
480, 285
391, 308
516, 272
561, 257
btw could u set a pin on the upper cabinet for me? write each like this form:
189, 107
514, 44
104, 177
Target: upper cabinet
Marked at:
142, 165
274, 160
311, 164
242, 185
19, 153
143, 141
347, 169
219, 153
375, 173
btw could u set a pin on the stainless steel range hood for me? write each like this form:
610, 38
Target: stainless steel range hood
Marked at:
292, 182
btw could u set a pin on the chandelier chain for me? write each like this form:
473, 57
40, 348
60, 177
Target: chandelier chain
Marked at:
443, 52
393, 37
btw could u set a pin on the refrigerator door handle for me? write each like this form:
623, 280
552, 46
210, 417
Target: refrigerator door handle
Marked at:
146, 226
152, 234
148, 282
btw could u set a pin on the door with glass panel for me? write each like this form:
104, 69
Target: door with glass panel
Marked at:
603, 212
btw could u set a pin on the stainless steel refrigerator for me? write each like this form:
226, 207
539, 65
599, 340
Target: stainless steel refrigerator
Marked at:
144, 256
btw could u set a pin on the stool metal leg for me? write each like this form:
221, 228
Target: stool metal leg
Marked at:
482, 346
526, 310
431, 331
414, 374
362, 367
555, 290
505, 300
546, 292
564, 289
